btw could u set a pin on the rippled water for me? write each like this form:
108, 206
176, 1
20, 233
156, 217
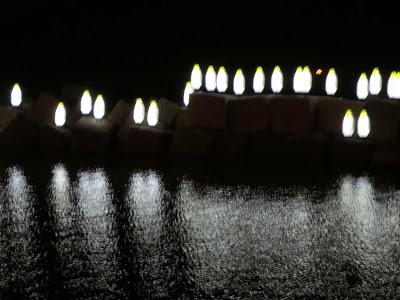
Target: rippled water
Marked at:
120, 232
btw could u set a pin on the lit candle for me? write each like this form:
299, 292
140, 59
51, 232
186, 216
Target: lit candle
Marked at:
363, 125
239, 82
99, 107
375, 82
60, 115
391, 85
331, 82
211, 79
259, 81
362, 86
138, 111
187, 92
298, 80
277, 80
348, 124
196, 77
86, 103
222, 80
307, 80
152, 113
16, 95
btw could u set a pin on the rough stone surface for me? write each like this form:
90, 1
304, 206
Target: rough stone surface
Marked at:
144, 141
331, 113
91, 135
248, 114
54, 140
20, 135
44, 108
191, 143
231, 145
168, 112
7, 115
351, 152
120, 113
384, 118
181, 119
292, 114
206, 111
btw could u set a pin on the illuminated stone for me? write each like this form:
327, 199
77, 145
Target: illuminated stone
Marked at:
348, 124
152, 114
86, 103
375, 82
259, 81
331, 83
239, 82
16, 95
362, 87
187, 92
277, 80
222, 80
211, 79
99, 107
139, 111
60, 115
196, 77
363, 124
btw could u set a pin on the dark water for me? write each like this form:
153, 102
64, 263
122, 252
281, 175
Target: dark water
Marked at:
106, 231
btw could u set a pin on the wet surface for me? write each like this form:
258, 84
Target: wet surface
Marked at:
90, 231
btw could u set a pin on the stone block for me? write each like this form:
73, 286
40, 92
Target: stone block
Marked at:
331, 113
180, 121
92, 136
206, 111
120, 113
44, 108
269, 148
292, 114
229, 145
54, 139
384, 118
248, 114
20, 135
351, 152
168, 112
7, 115
142, 141
386, 159
191, 143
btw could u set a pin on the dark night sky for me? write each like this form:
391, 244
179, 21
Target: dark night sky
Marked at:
148, 48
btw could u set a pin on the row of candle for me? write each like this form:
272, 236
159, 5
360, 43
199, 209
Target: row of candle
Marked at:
302, 82
98, 108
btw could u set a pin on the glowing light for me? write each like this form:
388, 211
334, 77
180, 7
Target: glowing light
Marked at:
375, 82
188, 91
60, 115
259, 80
222, 80
277, 80
211, 79
348, 124
331, 82
307, 80
363, 125
86, 103
318, 72
239, 82
139, 111
16, 95
302, 80
362, 86
152, 113
297, 80
99, 107
391, 85
196, 77
397, 86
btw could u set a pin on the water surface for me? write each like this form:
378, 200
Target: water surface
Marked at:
89, 231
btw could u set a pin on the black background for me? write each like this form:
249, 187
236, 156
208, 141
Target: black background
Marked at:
148, 48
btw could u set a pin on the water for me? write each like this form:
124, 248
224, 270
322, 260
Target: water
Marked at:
105, 231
